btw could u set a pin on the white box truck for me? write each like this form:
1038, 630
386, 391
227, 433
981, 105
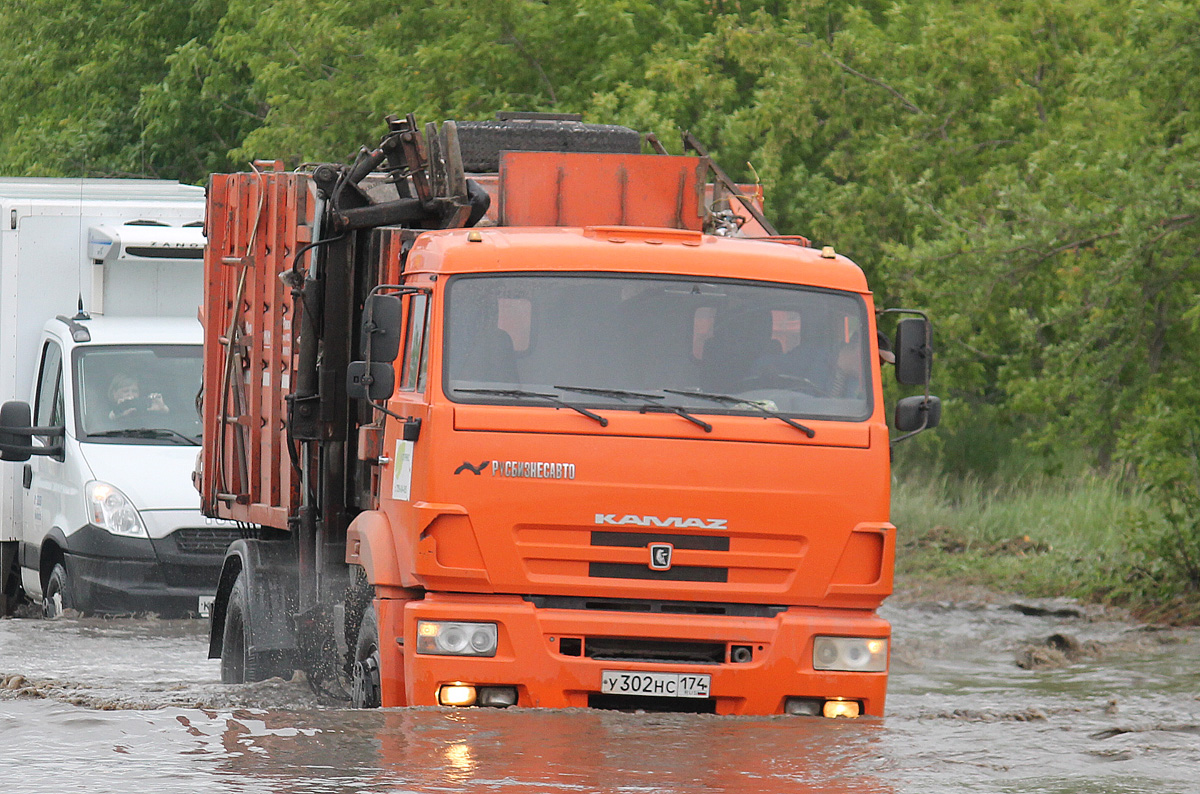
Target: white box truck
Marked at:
100, 285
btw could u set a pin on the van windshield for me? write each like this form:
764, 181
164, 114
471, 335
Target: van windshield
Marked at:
143, 394
623, 342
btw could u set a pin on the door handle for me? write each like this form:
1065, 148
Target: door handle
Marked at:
27, 476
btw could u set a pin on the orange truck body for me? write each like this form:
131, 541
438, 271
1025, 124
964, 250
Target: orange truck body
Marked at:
536, 517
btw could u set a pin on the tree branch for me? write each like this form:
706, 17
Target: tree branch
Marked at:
512, 39
846, 68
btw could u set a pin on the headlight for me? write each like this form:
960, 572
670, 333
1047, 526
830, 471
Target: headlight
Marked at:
456, 639
111, 510
850, 654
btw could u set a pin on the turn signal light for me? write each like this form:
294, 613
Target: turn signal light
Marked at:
456, 695
841, 708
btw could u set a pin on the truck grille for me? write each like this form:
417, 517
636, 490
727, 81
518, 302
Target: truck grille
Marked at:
624, 649
678, 573
656, 607
639, 540
760, 562
204, 540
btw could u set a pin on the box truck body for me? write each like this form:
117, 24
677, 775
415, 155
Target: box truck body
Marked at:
100, 284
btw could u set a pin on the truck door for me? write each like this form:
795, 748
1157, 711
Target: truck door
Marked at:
410, 393
43, 477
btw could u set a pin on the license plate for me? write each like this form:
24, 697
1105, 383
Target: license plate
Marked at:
668, 685
205, 605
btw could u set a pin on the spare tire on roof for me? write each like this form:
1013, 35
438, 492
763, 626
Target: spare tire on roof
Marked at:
482, 141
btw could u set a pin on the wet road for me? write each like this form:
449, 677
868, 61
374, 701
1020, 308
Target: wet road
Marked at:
978, 702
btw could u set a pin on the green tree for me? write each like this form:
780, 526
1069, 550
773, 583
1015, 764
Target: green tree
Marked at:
74, 73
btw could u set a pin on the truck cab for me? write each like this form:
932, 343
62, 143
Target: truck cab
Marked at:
645, 456
111, 521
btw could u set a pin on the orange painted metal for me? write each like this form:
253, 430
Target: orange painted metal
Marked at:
530, 654
806, 518
256, 223
551, 189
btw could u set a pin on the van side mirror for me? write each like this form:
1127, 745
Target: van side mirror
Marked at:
917, 413
381, 327
370, 380
16, 434
14, 415
914, 352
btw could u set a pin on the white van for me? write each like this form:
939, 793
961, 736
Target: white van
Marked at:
100, 284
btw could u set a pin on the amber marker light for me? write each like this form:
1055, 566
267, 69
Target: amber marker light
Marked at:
456, 695
841, 708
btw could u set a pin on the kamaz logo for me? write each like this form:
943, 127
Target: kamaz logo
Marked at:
660, 556
611, 520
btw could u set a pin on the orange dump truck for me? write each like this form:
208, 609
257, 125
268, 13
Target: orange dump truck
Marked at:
581, 431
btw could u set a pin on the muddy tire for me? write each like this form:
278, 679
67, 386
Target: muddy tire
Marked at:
57, 596
482, 141
365, 687
240, 665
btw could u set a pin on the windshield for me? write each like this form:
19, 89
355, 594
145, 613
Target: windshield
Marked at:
621, 342
138, 393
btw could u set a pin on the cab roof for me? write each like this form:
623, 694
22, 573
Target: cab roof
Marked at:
131, 330
632, 250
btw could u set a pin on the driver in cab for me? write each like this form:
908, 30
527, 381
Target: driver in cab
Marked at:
128, 404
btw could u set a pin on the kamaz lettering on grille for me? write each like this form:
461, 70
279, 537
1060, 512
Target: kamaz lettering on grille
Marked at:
611, 520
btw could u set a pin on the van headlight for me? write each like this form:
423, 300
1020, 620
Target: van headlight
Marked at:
850, 654
112, 511
456, 639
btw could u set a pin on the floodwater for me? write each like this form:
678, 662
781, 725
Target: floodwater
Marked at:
979, 701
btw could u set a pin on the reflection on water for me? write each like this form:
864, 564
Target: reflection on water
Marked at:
518, 751
962, 717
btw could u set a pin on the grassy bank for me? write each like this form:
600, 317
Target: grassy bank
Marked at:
1087, 536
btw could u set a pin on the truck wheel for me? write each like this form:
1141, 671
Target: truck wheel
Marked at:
240, 665
364, 678
57, 596
482, 141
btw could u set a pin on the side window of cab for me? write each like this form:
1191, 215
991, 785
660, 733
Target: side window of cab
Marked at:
416, 344
48, 401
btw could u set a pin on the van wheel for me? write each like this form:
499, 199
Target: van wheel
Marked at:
364, 677
57, 596
240, 665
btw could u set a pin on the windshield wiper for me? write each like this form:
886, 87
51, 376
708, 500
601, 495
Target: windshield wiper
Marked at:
729, 399
147, 432
647, 407
552, 398
656, 408
618, 393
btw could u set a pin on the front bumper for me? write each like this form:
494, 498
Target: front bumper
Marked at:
531, 654
167, 575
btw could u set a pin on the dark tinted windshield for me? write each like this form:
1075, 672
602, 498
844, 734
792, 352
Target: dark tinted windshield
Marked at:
142, 393
616, 342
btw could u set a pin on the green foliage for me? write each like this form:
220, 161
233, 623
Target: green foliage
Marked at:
74, 71
1026, 170
1076, 535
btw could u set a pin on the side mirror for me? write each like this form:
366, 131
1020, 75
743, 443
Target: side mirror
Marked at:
917, 413
14, 416
370, 380
381, 327
914, 352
